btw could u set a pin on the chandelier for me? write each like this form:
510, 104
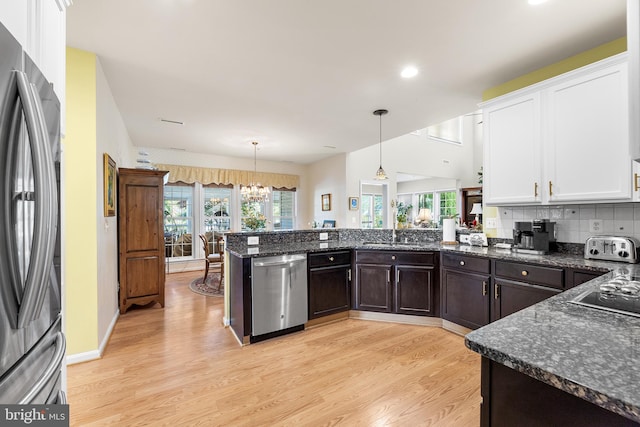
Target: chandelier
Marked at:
254, 192
381, 174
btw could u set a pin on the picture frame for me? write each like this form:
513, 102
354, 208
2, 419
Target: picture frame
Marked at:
329, 223
325, 201
109, 173
354, 203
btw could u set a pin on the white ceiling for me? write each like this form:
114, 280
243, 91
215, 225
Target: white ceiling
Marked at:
301, 75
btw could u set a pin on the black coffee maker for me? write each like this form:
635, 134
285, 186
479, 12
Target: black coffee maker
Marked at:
535, 237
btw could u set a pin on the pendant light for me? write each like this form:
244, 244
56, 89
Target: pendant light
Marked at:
255, 192
381, 174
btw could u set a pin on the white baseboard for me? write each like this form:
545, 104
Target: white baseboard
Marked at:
87, 356
95, 354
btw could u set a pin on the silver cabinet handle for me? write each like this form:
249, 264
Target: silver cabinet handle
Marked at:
484, 288
331, 258
496, 291
524, 273
461, 262
393, 257
397, 277
349, 274
388, 276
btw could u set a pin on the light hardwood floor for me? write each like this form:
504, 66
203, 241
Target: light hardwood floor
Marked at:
179, 366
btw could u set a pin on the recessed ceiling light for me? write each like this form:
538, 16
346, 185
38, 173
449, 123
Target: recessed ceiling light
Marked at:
536, 2
409, 71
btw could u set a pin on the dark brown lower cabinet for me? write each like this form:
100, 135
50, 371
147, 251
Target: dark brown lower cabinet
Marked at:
413, 290
329, 283
373, 288
510, 296
465, 298
511, 398
396, 282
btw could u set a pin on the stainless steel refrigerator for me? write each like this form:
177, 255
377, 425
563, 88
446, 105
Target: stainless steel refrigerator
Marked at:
32, 345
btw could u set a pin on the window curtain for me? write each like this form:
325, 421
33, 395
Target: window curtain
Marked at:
205, 176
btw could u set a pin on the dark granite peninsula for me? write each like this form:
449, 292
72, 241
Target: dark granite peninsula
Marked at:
558, 363
553, 363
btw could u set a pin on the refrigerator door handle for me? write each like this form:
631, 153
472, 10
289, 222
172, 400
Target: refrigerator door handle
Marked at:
52, 370
46, 208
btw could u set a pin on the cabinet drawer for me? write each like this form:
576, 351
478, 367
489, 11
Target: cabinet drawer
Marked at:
395, 257
466, 263
327, 259
536, 274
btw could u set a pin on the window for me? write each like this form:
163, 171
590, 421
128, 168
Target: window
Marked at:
178, 219
284, 207
371, 211
448, 203
217, 208
441, 204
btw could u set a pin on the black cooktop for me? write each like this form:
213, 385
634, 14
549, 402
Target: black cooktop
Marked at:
619, 295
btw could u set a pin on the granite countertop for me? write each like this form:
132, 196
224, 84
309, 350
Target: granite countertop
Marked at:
590, 353
553, 259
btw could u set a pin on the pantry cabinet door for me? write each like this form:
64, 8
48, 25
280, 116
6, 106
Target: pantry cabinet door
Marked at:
512, 172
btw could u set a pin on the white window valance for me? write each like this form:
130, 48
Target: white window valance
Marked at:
191, 174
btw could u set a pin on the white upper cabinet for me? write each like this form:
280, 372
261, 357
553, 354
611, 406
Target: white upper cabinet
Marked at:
565, 140
587, 137
40, 27
512, 172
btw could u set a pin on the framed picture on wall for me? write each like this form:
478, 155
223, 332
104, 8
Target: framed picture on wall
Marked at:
325, 200
109, 186
354, 203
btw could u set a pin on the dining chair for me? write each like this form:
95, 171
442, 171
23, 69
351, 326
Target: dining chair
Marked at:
212, 258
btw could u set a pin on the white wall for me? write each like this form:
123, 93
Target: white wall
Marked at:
328, 176
419, 155
111, 138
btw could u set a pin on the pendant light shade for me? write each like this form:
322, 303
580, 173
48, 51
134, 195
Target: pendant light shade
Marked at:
381, 174
255, 192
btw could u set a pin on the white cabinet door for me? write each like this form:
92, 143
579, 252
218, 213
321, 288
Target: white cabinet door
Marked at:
586, 134
15, 15
512, 172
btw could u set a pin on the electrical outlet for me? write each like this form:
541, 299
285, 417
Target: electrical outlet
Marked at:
324, 236
490, 223
595, 225
253, 240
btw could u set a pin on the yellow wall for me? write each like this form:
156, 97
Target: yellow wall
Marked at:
590, 56
79, 203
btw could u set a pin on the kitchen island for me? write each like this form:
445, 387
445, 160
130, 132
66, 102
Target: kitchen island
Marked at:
558, 362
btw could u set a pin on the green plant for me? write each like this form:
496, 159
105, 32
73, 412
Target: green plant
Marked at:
403, 212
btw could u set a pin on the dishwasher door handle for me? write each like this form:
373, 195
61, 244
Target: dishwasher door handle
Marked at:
288, 261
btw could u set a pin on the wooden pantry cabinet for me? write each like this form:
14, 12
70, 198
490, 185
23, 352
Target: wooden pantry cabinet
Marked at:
546, 143
140, 237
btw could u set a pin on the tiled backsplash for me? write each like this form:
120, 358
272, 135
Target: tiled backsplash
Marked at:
573, 221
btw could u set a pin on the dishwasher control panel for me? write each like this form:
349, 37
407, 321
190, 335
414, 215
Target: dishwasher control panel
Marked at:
612, 248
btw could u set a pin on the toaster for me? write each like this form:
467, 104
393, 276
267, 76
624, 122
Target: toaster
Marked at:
612, 248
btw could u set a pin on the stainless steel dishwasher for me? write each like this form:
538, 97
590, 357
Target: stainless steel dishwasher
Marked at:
278, 294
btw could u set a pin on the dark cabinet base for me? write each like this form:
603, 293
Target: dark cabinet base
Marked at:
510, 398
